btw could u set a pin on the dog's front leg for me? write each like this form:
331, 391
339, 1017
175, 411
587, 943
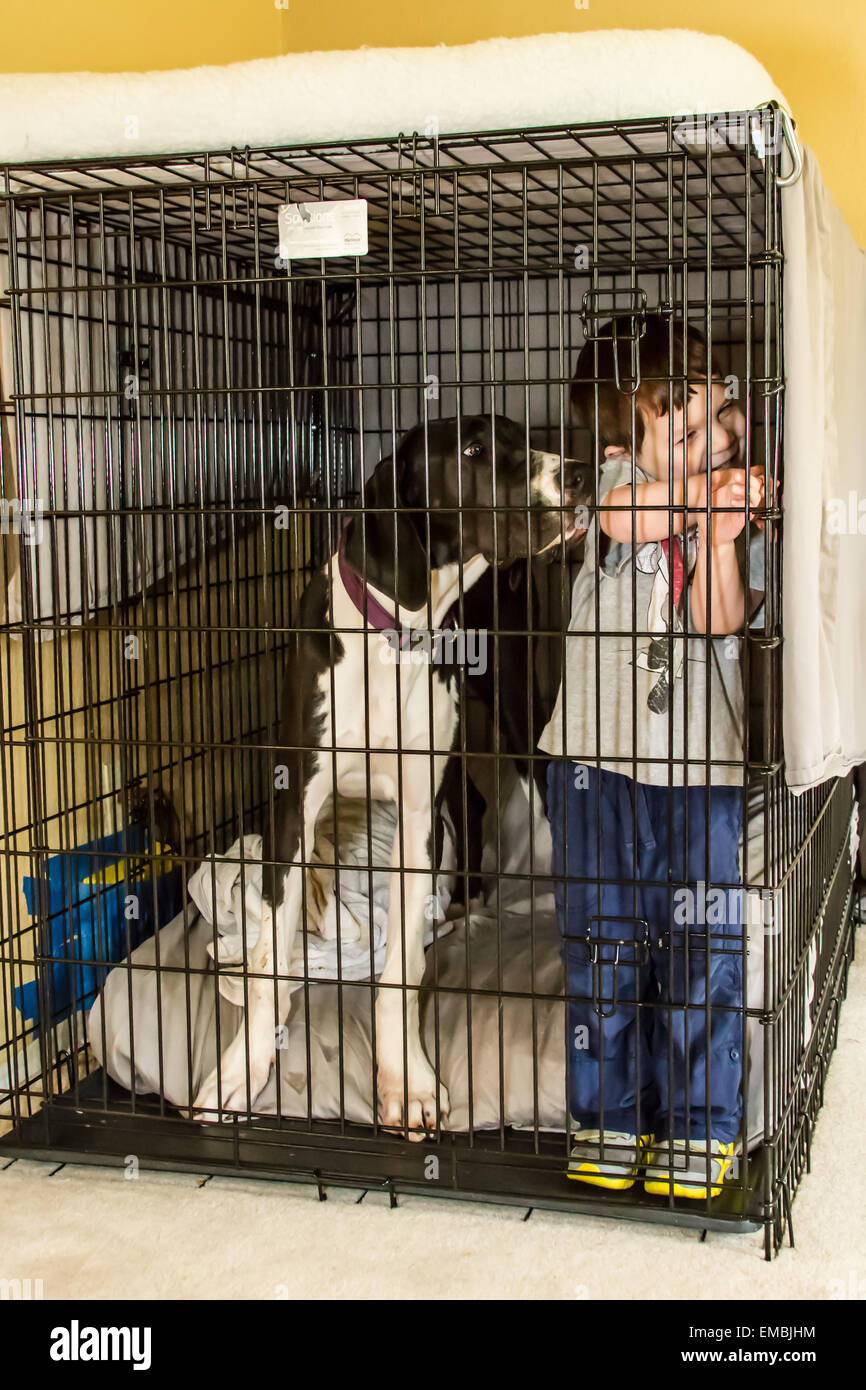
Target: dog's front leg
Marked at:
409, 1095
243, 1069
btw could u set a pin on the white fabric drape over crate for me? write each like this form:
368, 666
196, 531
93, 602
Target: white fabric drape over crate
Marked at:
824, 554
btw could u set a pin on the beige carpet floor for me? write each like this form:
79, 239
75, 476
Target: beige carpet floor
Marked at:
89, 1232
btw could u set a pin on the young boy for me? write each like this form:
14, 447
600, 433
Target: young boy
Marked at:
646, 788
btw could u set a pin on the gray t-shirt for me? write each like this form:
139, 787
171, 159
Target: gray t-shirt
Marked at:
639, 678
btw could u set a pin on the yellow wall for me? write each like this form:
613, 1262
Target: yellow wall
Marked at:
815, 52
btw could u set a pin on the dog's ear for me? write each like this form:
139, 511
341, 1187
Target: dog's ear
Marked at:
396, 561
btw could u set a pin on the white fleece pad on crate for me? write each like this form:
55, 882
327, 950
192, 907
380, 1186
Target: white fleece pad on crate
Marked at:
545, 79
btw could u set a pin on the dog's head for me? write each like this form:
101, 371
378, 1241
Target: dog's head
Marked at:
457, 489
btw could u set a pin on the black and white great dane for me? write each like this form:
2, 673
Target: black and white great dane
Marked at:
457, 496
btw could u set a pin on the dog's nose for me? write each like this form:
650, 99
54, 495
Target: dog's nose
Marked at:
578, 480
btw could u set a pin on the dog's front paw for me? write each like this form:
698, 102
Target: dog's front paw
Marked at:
232, 1086
475, 906
412, 1107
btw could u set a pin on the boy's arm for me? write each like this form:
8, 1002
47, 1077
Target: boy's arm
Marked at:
727, 598
718, 565
727, 603
650, 525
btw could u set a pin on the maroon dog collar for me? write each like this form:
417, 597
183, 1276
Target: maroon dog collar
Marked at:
369, 607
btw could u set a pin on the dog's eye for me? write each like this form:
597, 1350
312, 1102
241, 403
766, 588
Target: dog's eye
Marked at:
473, 450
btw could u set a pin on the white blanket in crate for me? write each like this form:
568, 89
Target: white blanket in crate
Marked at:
344, 935
517, 1042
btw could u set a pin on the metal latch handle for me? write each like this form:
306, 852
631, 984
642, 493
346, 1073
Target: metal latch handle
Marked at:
639, 942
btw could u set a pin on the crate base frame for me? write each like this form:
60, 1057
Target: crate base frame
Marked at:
67, 1129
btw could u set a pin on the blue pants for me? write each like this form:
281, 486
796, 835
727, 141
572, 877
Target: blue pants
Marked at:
642, 1058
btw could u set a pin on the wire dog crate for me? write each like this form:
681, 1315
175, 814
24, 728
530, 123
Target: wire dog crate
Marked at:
190, 420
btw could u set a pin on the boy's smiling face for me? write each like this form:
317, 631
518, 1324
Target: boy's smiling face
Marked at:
723, 446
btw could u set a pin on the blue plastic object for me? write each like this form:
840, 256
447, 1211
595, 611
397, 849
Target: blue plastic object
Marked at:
101, 900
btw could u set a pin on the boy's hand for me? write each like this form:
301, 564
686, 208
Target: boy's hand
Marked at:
727, 489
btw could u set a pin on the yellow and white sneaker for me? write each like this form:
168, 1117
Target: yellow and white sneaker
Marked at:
680, 1167
607, 1158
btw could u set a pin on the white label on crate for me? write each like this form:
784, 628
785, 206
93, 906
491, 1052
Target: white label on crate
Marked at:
336, 228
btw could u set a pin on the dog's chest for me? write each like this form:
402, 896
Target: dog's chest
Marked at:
378, 699
385, 698
375, 716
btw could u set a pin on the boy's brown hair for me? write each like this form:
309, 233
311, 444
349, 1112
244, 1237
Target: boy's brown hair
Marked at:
661, 371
